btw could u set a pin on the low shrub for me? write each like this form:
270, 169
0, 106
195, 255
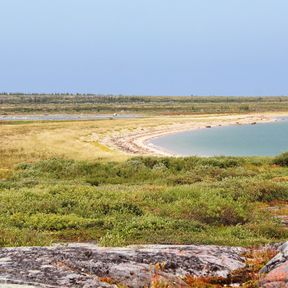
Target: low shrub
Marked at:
144, 200
255, 189
215, 210
52, 222
281, 160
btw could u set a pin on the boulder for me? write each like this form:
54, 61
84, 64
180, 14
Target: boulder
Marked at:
275, 272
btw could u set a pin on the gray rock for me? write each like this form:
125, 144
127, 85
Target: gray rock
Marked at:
278, 260
87, 265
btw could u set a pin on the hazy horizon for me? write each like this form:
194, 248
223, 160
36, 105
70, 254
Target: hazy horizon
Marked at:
129, 95
145, 47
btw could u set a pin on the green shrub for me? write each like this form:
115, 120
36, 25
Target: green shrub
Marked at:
147, 227
11, 236
215, 210
52, 221
143, 200
120, 208
255, 189
267, 191
281, 160
269, 230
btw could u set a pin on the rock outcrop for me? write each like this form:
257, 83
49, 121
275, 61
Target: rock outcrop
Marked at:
86, 265
275, 273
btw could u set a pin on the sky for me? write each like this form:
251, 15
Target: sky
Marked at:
144, 47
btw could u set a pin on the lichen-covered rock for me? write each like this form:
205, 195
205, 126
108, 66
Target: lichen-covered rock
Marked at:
277, 278
275, 273
86, 265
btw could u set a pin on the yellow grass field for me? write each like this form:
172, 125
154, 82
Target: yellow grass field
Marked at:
79, 140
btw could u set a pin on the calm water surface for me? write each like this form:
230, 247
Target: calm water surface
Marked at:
265, 139
65, 117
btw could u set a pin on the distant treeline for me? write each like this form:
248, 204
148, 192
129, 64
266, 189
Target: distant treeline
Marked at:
55, 103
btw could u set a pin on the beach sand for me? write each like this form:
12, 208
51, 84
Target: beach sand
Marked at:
137, 142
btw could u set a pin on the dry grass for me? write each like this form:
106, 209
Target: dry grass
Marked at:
36, 141
79, 140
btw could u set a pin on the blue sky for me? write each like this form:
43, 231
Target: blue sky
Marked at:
145, 47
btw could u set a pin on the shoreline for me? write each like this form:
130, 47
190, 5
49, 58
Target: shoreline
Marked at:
66, 117
138, 142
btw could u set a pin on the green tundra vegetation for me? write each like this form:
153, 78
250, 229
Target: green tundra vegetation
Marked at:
57, 183
89, 103
221, 200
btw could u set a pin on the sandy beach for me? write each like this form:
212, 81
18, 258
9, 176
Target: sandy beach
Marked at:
137, 142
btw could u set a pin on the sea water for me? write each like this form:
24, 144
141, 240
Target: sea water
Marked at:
262, 139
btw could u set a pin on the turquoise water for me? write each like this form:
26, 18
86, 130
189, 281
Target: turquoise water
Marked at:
265, 139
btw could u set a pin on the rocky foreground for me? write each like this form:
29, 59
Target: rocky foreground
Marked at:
76, 265
87, 265
275, 273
